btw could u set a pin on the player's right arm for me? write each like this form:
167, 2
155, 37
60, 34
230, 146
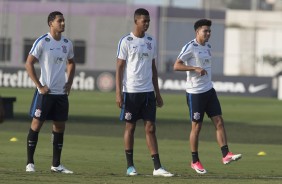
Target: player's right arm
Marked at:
29, 66
122, 53
119, 77
179, 65
186, 54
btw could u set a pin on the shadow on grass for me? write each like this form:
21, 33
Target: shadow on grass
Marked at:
166, 129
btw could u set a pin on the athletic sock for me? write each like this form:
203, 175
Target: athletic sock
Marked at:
129, 158
224, 150
58, 139
32, 140
195, 157
156, 160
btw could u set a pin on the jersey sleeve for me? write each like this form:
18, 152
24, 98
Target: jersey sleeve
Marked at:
71, 53
36, 49
186, 53
155, 50
122, 51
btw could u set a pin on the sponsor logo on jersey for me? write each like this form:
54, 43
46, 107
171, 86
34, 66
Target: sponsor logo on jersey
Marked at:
196, 45
64, 49
47, 39
149, 38
149, 45
59, 60
66, 41
209, 45
142, 55
129, 38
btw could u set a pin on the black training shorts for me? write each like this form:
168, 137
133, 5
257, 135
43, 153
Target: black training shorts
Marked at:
202, 103
138, 106
49, 107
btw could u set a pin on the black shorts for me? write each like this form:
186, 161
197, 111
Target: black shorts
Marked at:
202, 103
49, 107
138, 106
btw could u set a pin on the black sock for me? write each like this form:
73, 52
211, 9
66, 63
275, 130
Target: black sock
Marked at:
195, 157
224, 150
156, 160
129, 157
58, 139
32, 140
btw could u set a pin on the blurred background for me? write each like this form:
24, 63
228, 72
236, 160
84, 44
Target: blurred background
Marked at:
245, 40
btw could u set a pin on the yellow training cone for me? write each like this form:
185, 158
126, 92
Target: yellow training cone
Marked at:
261, 153
13, 139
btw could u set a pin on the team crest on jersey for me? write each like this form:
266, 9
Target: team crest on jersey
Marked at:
128, 116
196, 45
149, 38
47, 39
37, 113
149, 45
209, 45
66, 41
64, 49
129, 38
196, 116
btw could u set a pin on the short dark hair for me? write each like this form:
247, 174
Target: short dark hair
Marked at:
140, 11
52, 16
202, 22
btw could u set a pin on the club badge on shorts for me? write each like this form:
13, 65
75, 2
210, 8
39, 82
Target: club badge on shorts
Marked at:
37, 113
196, 116
128, 116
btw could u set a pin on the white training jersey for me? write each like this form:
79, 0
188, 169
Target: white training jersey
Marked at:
194, 54
138, 54
53, 56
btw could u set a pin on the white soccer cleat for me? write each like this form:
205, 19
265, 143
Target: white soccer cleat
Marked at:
61, 169
30, 167
162, 172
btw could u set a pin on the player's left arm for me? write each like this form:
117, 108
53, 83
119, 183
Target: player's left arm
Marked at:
159, 99
70, 75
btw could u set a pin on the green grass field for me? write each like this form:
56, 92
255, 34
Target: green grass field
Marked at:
93, 146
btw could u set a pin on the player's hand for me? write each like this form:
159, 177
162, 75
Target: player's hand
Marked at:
67, 88
119, 100
159, 101
201, 71
44, 90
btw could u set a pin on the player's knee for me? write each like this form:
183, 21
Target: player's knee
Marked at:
59, 127
196, 127
218, 121
220, 126
36, 125
151, 129
130, 128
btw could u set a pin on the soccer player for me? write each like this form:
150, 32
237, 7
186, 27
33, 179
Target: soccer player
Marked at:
195, 59
55, 55
137, 78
